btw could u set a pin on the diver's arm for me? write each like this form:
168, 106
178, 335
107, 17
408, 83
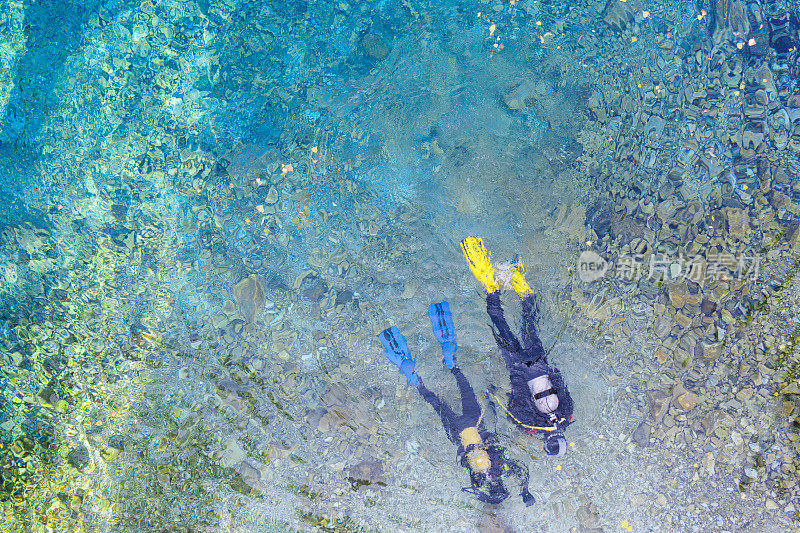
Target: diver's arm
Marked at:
520, 471
565, 404
490, 440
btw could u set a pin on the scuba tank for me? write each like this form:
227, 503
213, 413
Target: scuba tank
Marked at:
546, 401
477, 457
544, 396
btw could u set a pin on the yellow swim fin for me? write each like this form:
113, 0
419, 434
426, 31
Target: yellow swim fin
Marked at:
518, 281
480, 263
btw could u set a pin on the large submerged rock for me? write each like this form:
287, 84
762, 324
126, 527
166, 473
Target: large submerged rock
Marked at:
250, 296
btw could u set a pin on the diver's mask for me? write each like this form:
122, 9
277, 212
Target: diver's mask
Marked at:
555, 443
544, 396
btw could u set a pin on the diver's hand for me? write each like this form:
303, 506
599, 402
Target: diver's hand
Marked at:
528, 498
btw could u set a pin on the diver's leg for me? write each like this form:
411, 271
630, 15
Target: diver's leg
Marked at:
530, 329
470, 408
530, 310
442, 409
504, 335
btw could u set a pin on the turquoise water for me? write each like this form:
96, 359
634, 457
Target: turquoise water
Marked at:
209, 210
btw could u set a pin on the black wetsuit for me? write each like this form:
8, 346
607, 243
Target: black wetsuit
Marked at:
525, 362
487, 487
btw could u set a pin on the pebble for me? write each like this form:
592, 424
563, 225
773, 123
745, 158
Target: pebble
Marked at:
369, 471
410, 289
687, 400
80, 458
683, 320
709, 464
738, 222
744, 394
250, 296
412, 446
658, 401
661, 327
272, 196
641, 435
771, 505
678, 294
374, 46
587, 515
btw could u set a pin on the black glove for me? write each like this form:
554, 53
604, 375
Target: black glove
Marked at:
528, 498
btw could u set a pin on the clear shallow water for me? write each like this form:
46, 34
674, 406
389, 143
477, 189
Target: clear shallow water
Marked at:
209, 210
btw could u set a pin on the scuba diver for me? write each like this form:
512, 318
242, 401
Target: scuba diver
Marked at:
539, 399
478, 449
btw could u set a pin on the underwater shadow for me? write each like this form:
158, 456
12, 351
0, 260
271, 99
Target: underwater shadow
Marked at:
53, 30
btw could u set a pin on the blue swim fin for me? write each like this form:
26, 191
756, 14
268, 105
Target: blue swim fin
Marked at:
444, 331
398, 354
